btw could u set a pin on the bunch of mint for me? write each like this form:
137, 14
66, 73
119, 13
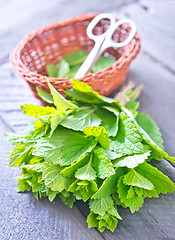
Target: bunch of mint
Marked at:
90, 148
70, 64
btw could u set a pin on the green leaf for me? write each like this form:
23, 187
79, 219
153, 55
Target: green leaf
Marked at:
76, 148
76, 57
100, 206
113, 211
102, 63
158, 152
67, 198
15, 139
53, 179
70, 171
35, 111
100, 134
114, 109
91, 220
19, 155
63, 68
86, 172
83, 189
131, 161
108, 120
23, 186
161, 183
147, 193
133, 203
150, 127
85, 117
40, 167
84, 93
133, 178
102, 164
132, 105
128, 139
109, 184
56, 118
52, 70
73, 70
51, 194
60, 102
50, 148
131, 192
112, 155
47, 97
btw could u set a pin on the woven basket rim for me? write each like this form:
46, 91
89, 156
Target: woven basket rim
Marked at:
19, 66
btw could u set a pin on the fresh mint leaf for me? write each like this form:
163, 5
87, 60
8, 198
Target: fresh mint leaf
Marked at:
52, 70
84, 93
47, 97
134, 203
108, 120
100, 134
131, 192
83, 189
73, 70
36, 111
109, 184
150, 127
85, 117
53, 179
133, 178
128, 140
158, 152
76, 57
55, 120
67, 197
51, 194
162, 183
19, 155
76, 148
132, 105
23, 186
100, 206
131, 161
86, 172
102, 164
70, 171
60, 102
112, 155
103, 63
63, 68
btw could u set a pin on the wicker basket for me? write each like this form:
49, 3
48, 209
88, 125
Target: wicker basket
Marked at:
49, 44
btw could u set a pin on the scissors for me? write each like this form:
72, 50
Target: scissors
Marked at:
103, 41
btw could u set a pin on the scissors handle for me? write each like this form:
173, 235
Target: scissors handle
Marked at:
103, 41
99, 39
109, 42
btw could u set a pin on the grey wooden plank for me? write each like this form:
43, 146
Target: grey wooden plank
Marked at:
154, 21
24, 217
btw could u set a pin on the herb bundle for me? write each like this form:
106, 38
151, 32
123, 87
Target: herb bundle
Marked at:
90, 148
70, 64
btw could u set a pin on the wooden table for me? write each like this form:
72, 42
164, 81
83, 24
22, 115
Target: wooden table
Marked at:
23, 217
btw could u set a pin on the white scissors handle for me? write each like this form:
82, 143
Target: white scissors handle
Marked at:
103, 41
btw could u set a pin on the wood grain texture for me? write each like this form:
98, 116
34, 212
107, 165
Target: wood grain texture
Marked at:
154, 21
24, 218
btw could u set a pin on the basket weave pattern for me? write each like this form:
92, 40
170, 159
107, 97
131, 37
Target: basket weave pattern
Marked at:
51, 43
